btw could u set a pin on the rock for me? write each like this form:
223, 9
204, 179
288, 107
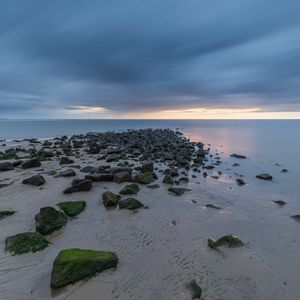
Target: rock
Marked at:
79, 185
168, 179
153, 186
280, 202
296, 217
171, 172
183, 180
115, 170
130, 203
229, 241
36, 180
72, 265
147, 167
238, 156
66, 161
240, 182
130, 189
25, 242
284, 171
110, 199
32, 163
264, 176
236, 165
144, 178
100, 177
6, 213
72, 208
87, 169
177, 190
6, 166
122, 176
49, 219
195, 289
204, 174
212, 206
66, 173
208, 167
17, 163
113, 157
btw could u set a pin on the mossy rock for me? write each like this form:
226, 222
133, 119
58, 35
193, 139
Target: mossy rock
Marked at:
72, 265
6, 213
110, 199
229, 241
145, 178
130, 203
130, 189
49, 219
72, 208
177, 190
153, 186
25, 242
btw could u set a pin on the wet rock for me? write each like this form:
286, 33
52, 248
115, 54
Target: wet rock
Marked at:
208, 167
87, 169
110, 199
171, 172
72, 208
177, 190
66, 161
183, 180
36, 180
229, 241
264, 176
25, 242
168, 179
79, 185
32, 163
17, 163
153, 186
113, 157
240, 182
130, 189
49, 219
100, 177
122, 176
236, 165
296, 217
284, 171
6, 166
212, 206
204, 174
6, 213
144, 178
238, 156
115, 170
195, 289
72, 265
130, 203
280, 202
147, 167
66, 173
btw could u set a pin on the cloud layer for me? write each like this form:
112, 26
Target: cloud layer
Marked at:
131, 56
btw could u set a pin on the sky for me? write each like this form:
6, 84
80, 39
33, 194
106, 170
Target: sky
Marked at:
195, 59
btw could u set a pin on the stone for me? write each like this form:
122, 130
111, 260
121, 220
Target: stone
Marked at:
177, 190
240, 182
100, 177
6, 166
72, 208
195, 289
49, 219
212, 206
72, 265
147, 167
130, 189
79, 185
87, 169
168, 179
110, 199
280, 202
229, 241
6, 213
130, 203
25, 242
144, 178
122, 176
296, 217
32, 163
238, 156
66, 161
153, 186
66, 173
36, 180
264, 176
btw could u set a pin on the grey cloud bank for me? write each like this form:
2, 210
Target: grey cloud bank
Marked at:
146, 55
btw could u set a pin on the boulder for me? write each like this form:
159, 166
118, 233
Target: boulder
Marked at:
79, 185
72, 265
72, 208
168, 179
36, 180
130, 189
32, 163
66, 161
25, 242
100, 177
147, 167
130, 203
49, 219
87, 169
110, 199
6, 166
177, 190
122, 176
229, 241
66, 173
144, 178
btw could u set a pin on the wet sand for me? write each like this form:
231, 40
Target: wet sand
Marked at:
161, 248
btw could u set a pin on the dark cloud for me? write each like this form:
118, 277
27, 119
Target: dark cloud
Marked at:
135, 55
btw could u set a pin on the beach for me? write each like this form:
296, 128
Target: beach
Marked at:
163, 247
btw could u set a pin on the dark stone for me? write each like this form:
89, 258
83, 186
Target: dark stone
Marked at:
66, 161
280, 202
229, 241
168, 179
147, 167
6, 166
195, 289
110, 199
144, 178
130, 203
238, 156
79, 185
264, 176
100, 177
122, 176
177, 190
66, 173
32, 163
240, 182
36, 180
130, 189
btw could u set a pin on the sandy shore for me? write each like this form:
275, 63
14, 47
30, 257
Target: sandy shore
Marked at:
161, 248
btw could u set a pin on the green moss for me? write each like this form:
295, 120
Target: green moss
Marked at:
130, 203
25, 242
6, 213
110, 199
72, 265
130, 189
153, 186
145, 178
72, 208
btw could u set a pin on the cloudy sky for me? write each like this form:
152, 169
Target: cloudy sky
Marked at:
145, 59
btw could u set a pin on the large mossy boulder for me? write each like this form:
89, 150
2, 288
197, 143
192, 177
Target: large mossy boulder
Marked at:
130, 203
49, 219
130, 189
36, 180
6, 213
72, 208
110, 199
72, 265
25, 242
229, 241
122, 176
144, 178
